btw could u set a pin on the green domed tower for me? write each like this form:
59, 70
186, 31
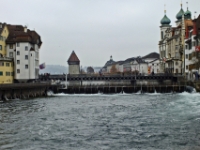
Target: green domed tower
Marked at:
188, 14
165, 24
165, 20
180, 13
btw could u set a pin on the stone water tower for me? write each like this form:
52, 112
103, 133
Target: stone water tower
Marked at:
74, 64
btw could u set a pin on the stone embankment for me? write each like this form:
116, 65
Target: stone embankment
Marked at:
25, 90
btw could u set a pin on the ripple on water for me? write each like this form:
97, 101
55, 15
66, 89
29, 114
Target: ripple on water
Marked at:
121, 121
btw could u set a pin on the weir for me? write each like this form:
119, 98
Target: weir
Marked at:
110, 84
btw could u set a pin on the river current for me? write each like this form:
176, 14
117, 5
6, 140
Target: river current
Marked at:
102, 122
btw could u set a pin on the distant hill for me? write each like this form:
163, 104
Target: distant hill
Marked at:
58, 69
54, 69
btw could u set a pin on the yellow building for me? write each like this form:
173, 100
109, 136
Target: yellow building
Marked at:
6, 64
4, 32
6, 70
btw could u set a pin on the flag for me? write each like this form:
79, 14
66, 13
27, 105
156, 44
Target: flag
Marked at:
42, 66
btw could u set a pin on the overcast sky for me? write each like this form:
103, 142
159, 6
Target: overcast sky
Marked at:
94, 29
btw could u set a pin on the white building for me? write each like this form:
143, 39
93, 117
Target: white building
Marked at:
24, 45
139, 65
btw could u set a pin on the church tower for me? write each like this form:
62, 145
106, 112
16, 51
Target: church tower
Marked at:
74, 64
165, 24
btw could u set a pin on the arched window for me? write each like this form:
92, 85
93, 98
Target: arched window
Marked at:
162, 35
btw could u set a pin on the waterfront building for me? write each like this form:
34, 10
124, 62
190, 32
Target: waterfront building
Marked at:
171, 44
134, 64
6, 64
74, 64
153, 60
154, 66
117, 65
6, 70
106, 68
139, 65
192, 49
151, 57
23, 46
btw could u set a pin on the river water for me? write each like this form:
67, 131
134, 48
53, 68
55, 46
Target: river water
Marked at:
102, 122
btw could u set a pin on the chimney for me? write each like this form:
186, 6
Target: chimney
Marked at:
25, 28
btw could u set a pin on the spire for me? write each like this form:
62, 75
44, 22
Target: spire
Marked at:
180, 13
188, 14
165, 20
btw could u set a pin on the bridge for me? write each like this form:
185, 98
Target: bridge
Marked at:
87, 77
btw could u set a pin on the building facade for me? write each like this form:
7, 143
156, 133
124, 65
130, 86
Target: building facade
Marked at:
172, 46
6, 64
23, 46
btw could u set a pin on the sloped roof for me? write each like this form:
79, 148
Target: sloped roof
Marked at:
115, 63
17, 34
73, 57
154, 60
151, 55
2, 27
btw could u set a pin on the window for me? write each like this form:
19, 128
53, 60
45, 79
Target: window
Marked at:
186, 46
7, 64
186, 56
11, 46
18, 61
0, 47
186, 67
1, 73
1, 63
11, 54
26, 66
26, 56
1, 38
177, 63
18, 52
12, 73
162, 35
26, 48
18, 70
7, 73
18, 44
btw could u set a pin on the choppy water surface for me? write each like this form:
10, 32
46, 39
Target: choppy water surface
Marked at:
149, 121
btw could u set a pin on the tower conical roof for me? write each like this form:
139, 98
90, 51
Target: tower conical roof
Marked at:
73, 57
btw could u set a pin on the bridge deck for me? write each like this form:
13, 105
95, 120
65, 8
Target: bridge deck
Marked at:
108, 78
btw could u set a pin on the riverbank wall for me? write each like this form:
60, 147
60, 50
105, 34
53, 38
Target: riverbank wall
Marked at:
25, 90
